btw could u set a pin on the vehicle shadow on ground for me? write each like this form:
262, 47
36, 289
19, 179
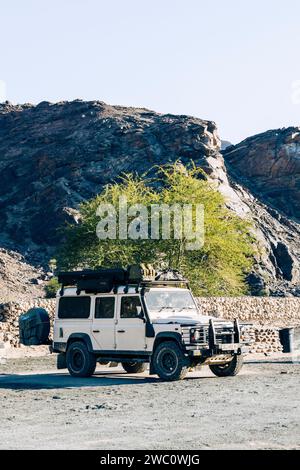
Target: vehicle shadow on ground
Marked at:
56, 381
50, 381
279, 363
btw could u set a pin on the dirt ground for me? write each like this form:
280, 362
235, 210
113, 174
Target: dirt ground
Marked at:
42, 408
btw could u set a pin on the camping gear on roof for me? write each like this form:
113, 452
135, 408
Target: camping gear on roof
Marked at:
105, 280
93, 282
115, 275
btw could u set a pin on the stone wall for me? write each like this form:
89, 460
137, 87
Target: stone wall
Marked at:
266, 315
267, 311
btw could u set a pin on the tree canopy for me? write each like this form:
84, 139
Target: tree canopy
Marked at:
219, 267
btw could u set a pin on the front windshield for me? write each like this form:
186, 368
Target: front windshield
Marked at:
164, 304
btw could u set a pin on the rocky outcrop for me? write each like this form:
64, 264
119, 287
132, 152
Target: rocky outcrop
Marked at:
264, 171
277, 270
269, 165
53, 156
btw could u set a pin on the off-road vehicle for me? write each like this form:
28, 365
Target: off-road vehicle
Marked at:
135, 317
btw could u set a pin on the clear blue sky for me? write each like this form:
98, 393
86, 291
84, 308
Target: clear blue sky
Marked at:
231, 61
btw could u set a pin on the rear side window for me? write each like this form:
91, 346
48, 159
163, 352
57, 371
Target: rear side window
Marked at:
74, 307
129, 307
105, 307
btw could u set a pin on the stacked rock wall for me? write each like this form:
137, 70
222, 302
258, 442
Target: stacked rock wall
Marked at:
266, 316
275, 312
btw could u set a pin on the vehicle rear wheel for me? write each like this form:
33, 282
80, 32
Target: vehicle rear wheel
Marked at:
169, 362
134, 367
230, 369
80, 362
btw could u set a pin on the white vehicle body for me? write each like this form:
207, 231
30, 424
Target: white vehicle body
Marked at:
168, 312
118, 333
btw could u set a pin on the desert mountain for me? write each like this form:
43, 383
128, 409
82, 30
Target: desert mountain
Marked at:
53, 156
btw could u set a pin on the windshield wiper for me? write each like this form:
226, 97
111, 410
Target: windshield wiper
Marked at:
187, 308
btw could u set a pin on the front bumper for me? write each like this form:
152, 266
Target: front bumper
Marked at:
206, 353
216, 342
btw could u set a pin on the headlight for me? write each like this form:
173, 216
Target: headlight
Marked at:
194, 335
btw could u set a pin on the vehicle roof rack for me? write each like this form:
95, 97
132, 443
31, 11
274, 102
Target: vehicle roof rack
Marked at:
169, 283
104, 280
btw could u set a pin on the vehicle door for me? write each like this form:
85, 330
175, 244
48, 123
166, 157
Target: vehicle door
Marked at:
130, 328
104, 323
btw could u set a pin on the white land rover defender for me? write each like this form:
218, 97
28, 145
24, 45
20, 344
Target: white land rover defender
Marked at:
135, 318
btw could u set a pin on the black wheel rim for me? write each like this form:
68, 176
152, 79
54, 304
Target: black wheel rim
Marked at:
169, 361
224, 366
77, 360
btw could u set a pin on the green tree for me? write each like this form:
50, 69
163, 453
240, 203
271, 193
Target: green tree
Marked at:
51, 288
217, 268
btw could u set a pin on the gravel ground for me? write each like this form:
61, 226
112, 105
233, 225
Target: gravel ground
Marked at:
45, 409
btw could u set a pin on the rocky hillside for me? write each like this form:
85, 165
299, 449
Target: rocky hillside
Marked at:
53, 156
265, 171
18, 279
269, 165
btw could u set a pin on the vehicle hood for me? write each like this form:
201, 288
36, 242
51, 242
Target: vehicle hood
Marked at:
184, 320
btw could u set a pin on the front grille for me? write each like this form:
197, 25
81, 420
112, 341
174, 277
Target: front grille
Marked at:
224, 335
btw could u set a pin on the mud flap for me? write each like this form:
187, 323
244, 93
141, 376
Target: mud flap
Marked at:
151, 368
61, 361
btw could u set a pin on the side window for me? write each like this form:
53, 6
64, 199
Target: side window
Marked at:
129, 307
105, 307
74, 307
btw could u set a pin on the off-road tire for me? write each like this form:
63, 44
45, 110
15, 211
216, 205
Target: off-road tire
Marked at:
228, 370
134, 367
80, 362
169, 362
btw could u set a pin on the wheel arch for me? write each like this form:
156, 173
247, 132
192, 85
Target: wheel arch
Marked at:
167, 336
83, 337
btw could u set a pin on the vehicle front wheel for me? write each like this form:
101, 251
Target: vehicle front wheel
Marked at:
230, 369
80, 362
134, 367
169, 362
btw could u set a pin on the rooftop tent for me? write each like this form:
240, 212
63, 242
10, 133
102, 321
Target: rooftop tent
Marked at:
101, 280
116, 275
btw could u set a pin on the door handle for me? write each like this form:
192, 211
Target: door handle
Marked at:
96, 331
121, 331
